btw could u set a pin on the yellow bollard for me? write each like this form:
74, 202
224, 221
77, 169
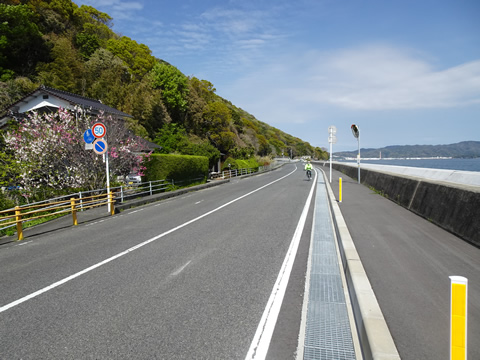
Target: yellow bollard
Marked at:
110, 200
458, 317
340, 190
18, 219
74, 211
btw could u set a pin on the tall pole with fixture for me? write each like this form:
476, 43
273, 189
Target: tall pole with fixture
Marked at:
356, 133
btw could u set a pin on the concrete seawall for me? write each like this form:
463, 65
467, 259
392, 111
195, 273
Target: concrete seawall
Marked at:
454, 207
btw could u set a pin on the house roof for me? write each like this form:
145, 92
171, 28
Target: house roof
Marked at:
74, 99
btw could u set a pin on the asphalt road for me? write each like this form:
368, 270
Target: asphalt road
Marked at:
408, 261
184, 278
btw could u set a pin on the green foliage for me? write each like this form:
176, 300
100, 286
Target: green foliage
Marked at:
236, 164
73, 48
5, 202
169, 137
174, 86
138, 57
217, 117
202, 148
87, 44
174, 139
13, 90
176, 167
66, 69
21, 43
243, 153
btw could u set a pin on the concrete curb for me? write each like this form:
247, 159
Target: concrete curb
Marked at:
375, 338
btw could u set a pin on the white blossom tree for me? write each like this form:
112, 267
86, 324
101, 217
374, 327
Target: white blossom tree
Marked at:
51, 150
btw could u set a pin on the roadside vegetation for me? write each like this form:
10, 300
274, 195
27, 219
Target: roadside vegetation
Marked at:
61, 45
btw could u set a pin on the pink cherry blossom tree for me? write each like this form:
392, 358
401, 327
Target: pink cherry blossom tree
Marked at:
51, 150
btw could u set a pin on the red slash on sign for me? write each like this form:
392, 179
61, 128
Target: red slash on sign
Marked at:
100, 146
99, 130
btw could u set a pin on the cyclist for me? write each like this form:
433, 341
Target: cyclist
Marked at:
308, 169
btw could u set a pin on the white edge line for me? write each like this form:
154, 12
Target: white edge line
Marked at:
263, 335
106, 261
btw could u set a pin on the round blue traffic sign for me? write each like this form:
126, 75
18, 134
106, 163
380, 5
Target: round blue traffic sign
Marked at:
88, 136
100, 146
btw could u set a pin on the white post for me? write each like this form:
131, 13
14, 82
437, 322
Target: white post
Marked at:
108, 178
330, 161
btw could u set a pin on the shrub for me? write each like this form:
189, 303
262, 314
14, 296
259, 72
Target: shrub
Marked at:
176, 167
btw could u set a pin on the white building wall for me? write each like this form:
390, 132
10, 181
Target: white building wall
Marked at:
40, 102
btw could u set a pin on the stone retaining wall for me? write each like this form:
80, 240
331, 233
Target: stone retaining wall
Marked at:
454, 208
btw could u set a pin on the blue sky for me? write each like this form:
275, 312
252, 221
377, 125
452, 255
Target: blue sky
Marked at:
406, 72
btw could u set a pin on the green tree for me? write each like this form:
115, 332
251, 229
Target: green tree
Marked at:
94, 31
66, 70
21, 42
146, 105
137, 56
217, 117
106, 78
169, 137
263, 146
174, 86
13, 90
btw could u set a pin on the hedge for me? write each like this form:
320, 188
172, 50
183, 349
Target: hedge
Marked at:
240, 164
176, 167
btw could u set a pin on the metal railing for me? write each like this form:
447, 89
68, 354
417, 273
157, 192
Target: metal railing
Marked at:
20, 214
85, 199
227, 174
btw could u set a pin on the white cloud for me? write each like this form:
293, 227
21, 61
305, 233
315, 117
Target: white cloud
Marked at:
378, 78
361, 78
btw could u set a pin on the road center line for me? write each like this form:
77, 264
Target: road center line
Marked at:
106, 261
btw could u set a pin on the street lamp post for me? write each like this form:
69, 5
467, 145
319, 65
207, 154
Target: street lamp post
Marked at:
356, 133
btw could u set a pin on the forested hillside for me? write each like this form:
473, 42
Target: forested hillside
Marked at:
71, 48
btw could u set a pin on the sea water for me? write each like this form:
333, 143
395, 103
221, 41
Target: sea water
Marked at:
448, 164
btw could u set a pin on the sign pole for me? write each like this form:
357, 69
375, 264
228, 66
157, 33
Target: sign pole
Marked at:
100, 147
356, 133
332, 139
358, 158
108, 178
330, 161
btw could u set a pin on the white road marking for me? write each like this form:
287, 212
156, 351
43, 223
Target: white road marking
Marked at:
106, 261
135, 211
263, 335
25, 243
180, 269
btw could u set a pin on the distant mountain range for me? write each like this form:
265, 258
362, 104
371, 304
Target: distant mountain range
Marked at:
464, 149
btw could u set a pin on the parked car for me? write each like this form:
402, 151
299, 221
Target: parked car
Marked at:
133, 179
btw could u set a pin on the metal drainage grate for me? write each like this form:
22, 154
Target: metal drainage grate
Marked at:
328, 334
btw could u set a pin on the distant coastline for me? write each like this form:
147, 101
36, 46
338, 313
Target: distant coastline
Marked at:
446, 163
398, 158
464, 149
